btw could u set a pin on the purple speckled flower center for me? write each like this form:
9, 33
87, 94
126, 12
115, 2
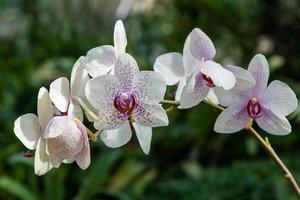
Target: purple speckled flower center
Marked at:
125, 103
253, 108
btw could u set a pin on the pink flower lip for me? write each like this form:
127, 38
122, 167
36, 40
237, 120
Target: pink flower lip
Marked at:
254, 108
209, 82
125, 104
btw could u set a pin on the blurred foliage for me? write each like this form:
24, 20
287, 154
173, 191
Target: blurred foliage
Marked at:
40, 40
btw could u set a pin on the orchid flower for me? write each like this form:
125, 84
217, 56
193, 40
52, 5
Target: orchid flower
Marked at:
267, 105
62, 92
101, 60
194, 71
128, 96
30, 129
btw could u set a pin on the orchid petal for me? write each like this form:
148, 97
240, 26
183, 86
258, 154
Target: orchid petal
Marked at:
75, 110
99, 90
117, 137
60, 93
229, 97
100, 60
190, 63
279, 96
125, 69
201, 46
151, 85
232, 119
259, 68
170, 66
83, 158
79, 77
244, 79
42, 162
212, 97
220, 76
109, 118
120, 40
44, 108
273, 122
144, 135
27, 129
151, 115
180, 87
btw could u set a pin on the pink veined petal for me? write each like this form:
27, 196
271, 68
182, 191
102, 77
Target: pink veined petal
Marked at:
229, 97
170, 66
279, 96
60, 93
273, 122
151, 115
44, 108
42, 162
190, 63
83, 158
144, 135
150, 85
259, 68
99, 91
79, 77
125, 69
108, 119
117, 137
59, 125
244, 79
120, 40
180, 87
220, 76
99, 60
201, 46
75, 110
190, 98
232, 119
27, 129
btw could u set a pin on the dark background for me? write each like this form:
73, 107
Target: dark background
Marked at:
40, 40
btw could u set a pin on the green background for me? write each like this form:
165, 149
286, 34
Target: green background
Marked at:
40, 40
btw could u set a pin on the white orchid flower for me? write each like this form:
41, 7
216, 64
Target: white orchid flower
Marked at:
194, 71
128, 96
101, 60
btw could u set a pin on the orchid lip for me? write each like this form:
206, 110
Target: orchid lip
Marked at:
125, 103
254, 108
200, 78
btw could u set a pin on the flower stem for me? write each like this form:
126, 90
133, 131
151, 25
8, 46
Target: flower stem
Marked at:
267, 146
170, 102
86, 108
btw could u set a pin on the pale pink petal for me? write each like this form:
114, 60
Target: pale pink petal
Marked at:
75, 110
120, 40
232, 119
279, 96
44, 108
125, 69
79, 77
170, 66
190, 63
212, 97
109, 118
151, 86
259, 68
180, 87
201, 46
60, 93
100, 60
42, 162
27, 129
99, 91
151, 115
230, 97
144, 135
83, 158
244, 79
117, 137
273, 122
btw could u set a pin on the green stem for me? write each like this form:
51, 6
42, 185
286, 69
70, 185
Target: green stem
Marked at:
86, 108
170, 102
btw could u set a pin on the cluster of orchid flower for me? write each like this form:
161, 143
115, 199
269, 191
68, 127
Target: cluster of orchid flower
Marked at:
107, 81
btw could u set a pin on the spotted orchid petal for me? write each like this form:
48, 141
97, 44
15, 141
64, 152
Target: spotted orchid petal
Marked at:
83, 158
109, 118
99, 91
117, 137
273, 122
259, 68
120, 40
99, 60
44, 108
201, 46
151, 115
170, 66
27, 129
232, 119
151, 86
144, 135
75, 110
126, 69
220, 76
79, 77
42, 163
279, 96
60, 93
